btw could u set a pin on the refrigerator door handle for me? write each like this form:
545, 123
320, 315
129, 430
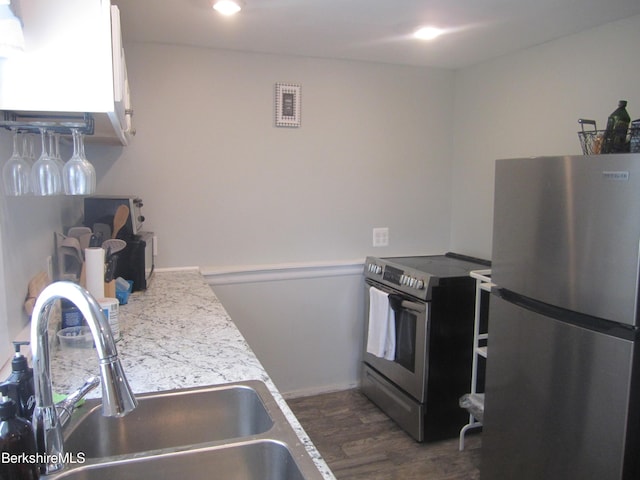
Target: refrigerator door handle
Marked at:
614, 329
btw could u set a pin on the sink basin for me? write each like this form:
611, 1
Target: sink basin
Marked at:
252, 460
235, 431
169, 419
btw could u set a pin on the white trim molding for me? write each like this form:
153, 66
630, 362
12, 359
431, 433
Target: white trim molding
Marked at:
176, 269
307, 392
230, 275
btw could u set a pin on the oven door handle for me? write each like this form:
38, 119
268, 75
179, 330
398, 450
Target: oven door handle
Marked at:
406, 304
414, 306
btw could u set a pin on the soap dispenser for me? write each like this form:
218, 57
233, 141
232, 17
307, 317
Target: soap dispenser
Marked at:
17, 444
19, 386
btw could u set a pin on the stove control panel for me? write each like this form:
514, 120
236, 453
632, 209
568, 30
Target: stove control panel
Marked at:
412, 282
418, 276
373, 268
394, 276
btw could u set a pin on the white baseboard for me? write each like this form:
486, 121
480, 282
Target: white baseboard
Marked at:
308, 392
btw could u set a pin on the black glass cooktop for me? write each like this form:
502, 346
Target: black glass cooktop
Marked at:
441, 266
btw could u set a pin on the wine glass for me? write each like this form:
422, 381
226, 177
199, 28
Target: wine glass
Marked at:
32, 148
54, 149
79, 176
45, 175
27, 149
16, 172
91, 177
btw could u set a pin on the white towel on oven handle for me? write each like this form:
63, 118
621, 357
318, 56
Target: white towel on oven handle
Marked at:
381, 334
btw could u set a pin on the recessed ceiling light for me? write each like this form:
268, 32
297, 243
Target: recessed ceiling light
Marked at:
227, 7
428, 33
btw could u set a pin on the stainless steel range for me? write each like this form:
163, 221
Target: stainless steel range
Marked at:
418, 340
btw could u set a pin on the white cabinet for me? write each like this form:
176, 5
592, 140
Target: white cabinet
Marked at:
73, 62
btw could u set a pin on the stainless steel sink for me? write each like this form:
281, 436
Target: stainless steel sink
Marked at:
235, 431
253, 460
170, 419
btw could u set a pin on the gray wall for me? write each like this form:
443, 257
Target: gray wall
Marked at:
236, 191
528, 104
223, 186
306, 331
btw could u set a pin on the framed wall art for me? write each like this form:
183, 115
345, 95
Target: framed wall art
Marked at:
287, 105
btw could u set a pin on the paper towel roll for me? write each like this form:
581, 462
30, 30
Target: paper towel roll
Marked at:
94, 261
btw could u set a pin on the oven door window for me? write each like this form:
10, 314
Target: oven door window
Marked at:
406, 339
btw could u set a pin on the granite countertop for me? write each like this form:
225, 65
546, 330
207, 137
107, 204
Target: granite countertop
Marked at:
176, 334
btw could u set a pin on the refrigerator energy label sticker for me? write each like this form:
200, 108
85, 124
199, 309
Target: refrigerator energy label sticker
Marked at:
616, 175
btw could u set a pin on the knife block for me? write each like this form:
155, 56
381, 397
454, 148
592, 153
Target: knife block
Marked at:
109, 287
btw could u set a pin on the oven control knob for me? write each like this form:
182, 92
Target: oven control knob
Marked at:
420, 284
412, 282
402, 279
378, 269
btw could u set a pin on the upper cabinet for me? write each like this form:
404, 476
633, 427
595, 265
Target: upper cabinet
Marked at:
73, 63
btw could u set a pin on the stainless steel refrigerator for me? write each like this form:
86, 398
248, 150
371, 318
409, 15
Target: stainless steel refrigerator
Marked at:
562, 387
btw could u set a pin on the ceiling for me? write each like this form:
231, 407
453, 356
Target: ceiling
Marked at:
370, 30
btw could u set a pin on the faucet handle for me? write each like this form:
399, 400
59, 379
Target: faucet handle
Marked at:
66, 407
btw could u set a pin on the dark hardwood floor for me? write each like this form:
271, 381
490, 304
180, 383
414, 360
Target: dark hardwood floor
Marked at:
359, 442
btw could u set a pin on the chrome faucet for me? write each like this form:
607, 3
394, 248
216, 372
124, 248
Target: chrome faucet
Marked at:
117, 397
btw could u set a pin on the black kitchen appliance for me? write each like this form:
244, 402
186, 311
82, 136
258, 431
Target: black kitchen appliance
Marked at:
433, 300
102, 208
136, 261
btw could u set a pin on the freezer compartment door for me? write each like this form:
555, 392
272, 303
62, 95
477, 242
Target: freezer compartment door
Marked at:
557, 400
567, 232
